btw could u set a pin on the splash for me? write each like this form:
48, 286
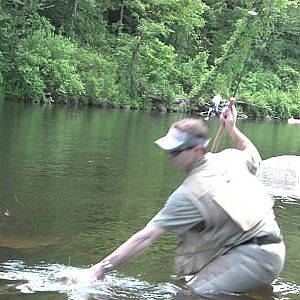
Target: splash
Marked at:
52, 278
285, 288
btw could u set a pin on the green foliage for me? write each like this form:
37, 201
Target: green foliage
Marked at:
52, 67
47, 65
98, 77
193, 71
289, 77
125, 52
156, 63
263, 90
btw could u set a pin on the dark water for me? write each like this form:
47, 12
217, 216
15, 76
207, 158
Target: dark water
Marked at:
75, 183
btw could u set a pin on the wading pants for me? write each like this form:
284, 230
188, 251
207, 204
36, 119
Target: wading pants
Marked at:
242, 269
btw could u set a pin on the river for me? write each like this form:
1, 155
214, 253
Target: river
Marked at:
75, 183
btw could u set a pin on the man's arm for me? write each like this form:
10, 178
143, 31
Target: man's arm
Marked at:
130, 249
242, 142
228, 117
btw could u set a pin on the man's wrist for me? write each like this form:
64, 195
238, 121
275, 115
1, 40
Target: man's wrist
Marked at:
232, 130
107, 267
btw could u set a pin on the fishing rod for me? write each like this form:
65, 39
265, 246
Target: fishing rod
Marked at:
232, 101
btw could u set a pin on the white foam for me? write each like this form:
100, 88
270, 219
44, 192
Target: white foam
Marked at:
56, 278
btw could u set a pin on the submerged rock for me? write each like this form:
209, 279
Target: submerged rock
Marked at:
19, 242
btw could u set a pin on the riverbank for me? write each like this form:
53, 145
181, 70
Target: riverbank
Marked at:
175, 106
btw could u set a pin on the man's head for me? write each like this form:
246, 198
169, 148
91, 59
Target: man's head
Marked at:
186, 142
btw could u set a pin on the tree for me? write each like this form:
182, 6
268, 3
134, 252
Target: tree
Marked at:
119, 51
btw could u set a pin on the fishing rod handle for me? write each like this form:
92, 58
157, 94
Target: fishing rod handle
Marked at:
219, 134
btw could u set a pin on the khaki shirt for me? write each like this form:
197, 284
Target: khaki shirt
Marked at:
215, 209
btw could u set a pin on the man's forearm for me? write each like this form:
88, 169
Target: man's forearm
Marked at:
134, 245
241, 140
130, 249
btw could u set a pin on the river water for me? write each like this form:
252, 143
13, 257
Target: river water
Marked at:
75, 183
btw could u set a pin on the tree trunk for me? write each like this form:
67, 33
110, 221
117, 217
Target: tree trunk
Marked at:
25, 5
131, 78
74, 13
120, 22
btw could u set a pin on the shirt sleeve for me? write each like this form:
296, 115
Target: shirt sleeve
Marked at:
179, 214
253, 160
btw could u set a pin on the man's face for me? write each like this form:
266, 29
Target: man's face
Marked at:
183, 159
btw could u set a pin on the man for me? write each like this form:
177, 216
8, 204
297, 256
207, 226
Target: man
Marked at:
214, 105
229, 239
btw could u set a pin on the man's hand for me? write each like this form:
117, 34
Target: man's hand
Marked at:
84, 276
96, 272
130, 249
228, 117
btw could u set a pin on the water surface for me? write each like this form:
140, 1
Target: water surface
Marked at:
75, 183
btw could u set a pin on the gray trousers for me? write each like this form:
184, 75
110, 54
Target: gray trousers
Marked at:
242, 269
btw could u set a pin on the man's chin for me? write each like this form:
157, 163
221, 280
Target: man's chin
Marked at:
176, 167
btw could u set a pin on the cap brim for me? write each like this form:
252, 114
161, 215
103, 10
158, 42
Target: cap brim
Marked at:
170, 141
166, 143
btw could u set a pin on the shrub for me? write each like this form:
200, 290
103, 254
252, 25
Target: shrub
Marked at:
52, 65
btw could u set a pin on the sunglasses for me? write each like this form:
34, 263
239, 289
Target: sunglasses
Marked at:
178, 151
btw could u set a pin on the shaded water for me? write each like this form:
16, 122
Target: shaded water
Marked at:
74, 184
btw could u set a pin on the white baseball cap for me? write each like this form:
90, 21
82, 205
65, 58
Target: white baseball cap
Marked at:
176, 139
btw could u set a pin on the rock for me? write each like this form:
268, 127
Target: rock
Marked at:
161, 108
125, 107
293, 121
25, 242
